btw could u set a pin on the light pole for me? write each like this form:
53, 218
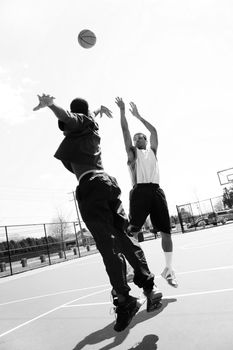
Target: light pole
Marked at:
78, 216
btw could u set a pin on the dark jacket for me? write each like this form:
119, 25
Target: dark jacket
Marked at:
81, 144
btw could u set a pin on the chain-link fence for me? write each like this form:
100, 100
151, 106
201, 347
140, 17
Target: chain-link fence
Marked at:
203, 214
26, 247
30, 246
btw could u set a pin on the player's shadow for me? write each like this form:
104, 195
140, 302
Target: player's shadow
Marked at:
147, 343
118, 338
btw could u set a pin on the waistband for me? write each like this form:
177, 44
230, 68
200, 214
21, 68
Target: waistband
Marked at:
88, 174
149, 184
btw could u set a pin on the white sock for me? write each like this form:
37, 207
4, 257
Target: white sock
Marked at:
168, 259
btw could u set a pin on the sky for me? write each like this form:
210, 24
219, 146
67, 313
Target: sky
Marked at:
172, 58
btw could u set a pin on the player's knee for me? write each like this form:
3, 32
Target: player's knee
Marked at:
166, 235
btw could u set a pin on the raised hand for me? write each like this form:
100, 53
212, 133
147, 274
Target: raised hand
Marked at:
120, 103
106, 111
134, 110
44, 101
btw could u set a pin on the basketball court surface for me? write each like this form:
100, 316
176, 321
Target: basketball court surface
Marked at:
67, 306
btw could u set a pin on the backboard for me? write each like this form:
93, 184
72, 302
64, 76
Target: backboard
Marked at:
230, 178
225, 176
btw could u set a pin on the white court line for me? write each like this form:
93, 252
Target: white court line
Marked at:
49, 312
164, 297
52, 294
99, 292
83, 261
206, 270
89, 304
200, 293
105, 285
197, 246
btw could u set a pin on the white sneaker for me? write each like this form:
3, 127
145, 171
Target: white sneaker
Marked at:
169, 276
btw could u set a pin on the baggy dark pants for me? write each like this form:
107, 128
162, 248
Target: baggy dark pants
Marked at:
102, 211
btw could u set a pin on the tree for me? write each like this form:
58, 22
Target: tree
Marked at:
58, 228
218, 205
185, 214
228, 197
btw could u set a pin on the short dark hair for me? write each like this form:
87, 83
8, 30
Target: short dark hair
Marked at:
139, 133
79, 105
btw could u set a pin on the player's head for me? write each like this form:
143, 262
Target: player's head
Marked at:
79, 105
140, 140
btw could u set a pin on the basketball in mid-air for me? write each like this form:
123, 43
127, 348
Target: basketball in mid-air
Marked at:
86, 38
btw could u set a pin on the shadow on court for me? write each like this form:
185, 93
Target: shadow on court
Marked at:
148, 342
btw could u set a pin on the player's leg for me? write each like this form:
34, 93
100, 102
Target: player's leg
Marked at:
161, 220
143, 277
131, 249
139, 209
168, 273
93, 198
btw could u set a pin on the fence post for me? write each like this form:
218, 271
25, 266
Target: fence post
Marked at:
76, 237
62, 252
47, 245
212, 205
191, 210
78, 216
8, 249
180, 219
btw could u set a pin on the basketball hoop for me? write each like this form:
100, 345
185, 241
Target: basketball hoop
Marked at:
225, 176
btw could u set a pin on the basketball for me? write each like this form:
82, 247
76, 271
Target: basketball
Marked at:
86, 39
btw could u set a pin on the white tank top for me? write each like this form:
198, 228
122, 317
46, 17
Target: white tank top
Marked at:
145, 169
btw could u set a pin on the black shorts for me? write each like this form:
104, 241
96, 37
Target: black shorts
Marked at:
149, 199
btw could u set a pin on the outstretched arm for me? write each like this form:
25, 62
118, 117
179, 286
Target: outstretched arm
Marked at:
48, 101
103, 110
44, 101
125, 129
65, 116
151, 128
